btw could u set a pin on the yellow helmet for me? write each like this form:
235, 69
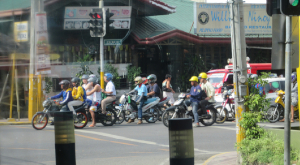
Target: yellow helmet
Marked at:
138, 80
202, 75
194, 78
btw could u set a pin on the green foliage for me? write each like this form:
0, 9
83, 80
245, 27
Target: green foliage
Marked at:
48, 84
249, 124
109, 68
85, 58
256, 101
193, 66
132, 72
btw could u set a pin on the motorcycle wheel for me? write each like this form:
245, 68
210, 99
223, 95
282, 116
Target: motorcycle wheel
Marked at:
110, 118
82, 120
273, 114
221, 118
39, 121
121, 117
211, 120
166, 116
161, 111
155, 115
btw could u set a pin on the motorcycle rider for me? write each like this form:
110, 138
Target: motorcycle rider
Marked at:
78, 94
66, 93
87, 88
153, 90
142, 93
96, 95
110, 91
209, 91
195, 97
294, 96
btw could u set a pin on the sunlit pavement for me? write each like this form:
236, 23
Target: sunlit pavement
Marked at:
119, 144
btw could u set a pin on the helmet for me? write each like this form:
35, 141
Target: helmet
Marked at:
84, 76
92, 75
194, 78
202, 75
66, 83
75, 80
294, 76
152, 78
108, 76
138, 80
254, 76
93, 79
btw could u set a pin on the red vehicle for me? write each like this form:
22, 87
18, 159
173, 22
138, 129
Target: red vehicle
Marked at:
220, 77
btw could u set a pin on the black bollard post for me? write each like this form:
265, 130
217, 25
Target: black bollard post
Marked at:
64, 138
181, 142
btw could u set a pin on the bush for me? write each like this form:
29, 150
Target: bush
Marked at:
132, 72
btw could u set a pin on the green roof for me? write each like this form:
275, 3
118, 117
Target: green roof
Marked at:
14, 4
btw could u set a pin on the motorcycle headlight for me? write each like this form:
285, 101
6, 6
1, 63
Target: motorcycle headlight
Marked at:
122, 99
46, 103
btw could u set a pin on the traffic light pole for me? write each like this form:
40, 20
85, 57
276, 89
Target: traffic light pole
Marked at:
101, 5
288, 70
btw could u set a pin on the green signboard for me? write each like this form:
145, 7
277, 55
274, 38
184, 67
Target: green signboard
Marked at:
112, 42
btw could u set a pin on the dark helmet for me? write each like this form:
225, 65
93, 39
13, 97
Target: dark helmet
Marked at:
93, 79
84, 76
76, 80
294, 76
65, 83
152, 78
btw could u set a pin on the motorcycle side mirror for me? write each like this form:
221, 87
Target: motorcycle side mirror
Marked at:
188, 91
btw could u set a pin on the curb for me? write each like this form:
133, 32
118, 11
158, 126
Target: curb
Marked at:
211, 158
15, 123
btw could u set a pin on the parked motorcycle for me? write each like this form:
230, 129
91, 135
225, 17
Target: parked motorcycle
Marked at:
228, 102
276, 111
108, 119
40, 119
180, 110
162, 106
128, 108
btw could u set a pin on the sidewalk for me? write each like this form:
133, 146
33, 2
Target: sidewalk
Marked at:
228, 158
22, 121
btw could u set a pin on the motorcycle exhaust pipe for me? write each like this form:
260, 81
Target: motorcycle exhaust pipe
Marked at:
64, 138
181, 142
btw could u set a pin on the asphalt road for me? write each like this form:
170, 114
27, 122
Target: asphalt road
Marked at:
123, 144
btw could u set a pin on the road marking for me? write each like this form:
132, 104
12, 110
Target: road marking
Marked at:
26, 149
141, 152
164, 149
133, 140
103, 140
223, 128
209, 159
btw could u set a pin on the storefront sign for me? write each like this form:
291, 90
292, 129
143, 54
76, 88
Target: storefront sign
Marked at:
21, 31
76, 18
112, 42
42, 57
214, 18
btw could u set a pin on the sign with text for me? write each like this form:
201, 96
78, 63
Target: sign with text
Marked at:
108, 42
214, 18
42, 57
21, 31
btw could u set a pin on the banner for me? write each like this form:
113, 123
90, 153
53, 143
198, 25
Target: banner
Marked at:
21, 31
214, 18
42, 57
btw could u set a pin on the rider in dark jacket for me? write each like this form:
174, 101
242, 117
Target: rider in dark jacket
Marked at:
66, 93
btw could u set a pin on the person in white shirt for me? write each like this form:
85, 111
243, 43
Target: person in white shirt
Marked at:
209, 91
96, 95
88, 88
110, 91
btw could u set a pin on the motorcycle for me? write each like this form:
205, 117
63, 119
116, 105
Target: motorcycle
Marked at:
128, 108
228, 102
107, 120
161, 106
276, 111
180, 110
40, 119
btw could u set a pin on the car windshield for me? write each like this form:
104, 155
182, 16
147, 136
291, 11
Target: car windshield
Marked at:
216, 79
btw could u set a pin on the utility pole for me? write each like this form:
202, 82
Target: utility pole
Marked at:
101, 5
288, 70
238, 44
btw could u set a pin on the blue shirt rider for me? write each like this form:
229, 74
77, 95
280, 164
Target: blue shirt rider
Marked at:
195, 96
66, 94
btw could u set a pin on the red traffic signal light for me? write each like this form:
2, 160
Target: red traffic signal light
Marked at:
96, 15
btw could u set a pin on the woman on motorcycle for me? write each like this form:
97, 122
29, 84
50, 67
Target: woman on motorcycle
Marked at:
96, 94
294, 96
87, 88
167, 89
78, 94
142, 93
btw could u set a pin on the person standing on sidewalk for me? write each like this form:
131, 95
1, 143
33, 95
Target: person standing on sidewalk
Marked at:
110, 91
142, 97
209, 91
167, 89
195, 97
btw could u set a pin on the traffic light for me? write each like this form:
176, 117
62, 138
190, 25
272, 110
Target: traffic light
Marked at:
108, 15
290, 7
96, 23
273, 7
